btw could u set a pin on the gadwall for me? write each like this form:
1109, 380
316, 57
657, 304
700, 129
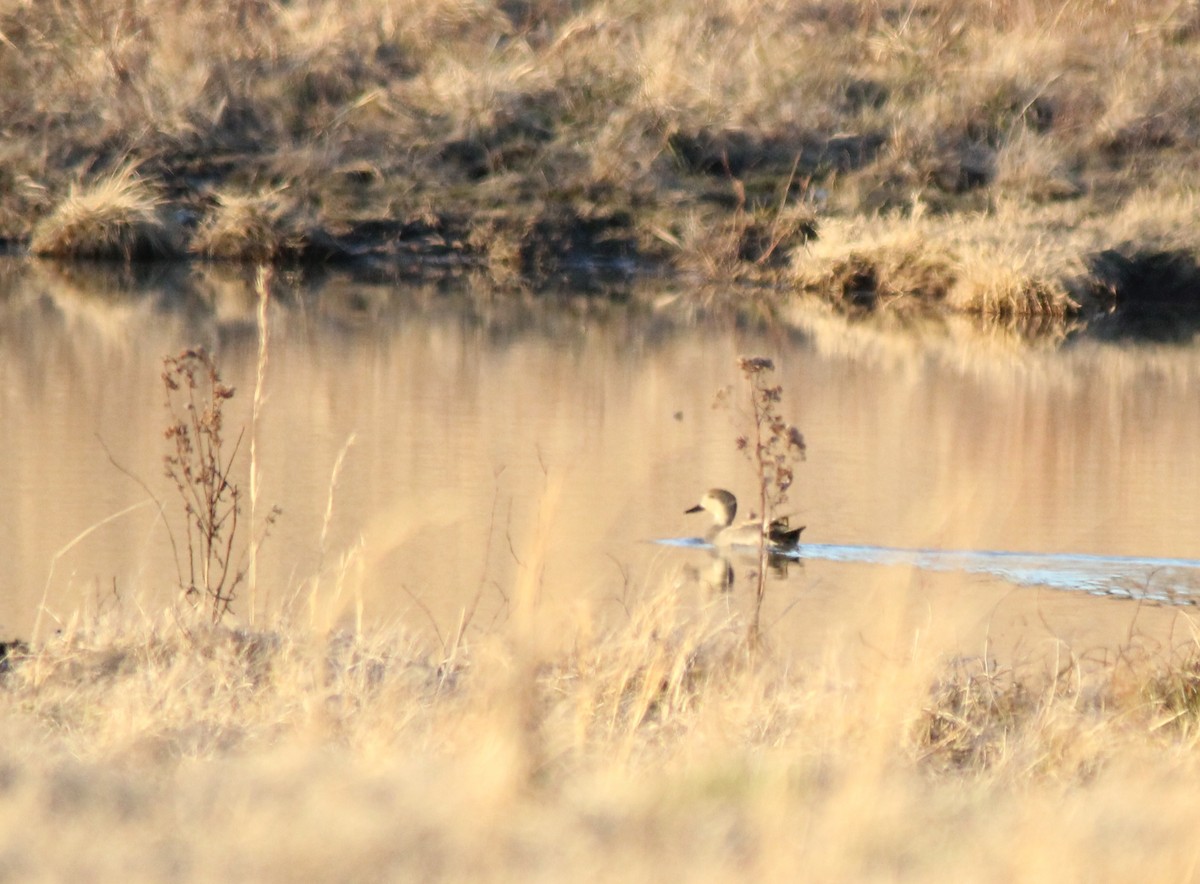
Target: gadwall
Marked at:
722, 506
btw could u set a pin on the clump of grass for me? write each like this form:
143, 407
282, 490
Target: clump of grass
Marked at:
748, 244
980, 718
895, 269
973, 712
242, 226
1173, 693
499, 248
1003, 290
201, 468
991, 267
121, 216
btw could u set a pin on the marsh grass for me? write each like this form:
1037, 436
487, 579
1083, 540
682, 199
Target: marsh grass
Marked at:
897, 271
121, 215
653, 736
710, 130
999, 289
258, 227
745, 245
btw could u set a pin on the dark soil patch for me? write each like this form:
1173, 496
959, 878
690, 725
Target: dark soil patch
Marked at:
1146, 294
736, 152
561, 239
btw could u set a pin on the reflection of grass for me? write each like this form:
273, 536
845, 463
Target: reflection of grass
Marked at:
654, 740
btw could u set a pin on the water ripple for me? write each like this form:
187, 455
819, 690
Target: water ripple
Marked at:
1174, 581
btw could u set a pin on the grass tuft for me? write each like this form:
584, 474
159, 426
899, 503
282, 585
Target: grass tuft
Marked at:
896, 270
241, 226
1004, 290
1173, 694
118, 216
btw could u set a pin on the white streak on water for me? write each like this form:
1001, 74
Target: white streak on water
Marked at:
1168, 580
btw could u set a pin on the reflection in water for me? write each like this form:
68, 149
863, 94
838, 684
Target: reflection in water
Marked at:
467, 406
1167, 580
721, 564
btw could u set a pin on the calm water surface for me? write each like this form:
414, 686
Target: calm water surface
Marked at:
488, 438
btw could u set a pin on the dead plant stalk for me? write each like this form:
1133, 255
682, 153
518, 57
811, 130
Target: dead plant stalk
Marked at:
773, 450
200, 470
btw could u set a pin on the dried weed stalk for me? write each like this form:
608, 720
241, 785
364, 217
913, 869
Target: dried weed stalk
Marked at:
774, 447
200, 469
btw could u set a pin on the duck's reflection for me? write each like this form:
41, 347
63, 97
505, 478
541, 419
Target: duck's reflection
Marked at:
718, 574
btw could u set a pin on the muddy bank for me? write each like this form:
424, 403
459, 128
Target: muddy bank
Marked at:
1123, 292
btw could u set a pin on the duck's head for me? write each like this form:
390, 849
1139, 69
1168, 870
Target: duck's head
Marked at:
719, 503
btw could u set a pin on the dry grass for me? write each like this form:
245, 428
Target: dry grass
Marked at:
137, 748
1016, 260
254, 227
689, 123
743, 245
1000, 287
118, 216
892, 270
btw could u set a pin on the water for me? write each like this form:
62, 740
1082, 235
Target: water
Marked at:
1168, 581
488, 438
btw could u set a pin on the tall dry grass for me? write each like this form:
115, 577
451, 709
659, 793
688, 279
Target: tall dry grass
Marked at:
681, 125
136, 749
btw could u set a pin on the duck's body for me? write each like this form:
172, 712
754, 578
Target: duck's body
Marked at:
722, 506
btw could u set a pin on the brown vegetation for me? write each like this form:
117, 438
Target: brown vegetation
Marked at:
249, 227
137, 749
199, 464
691, 132
119, 216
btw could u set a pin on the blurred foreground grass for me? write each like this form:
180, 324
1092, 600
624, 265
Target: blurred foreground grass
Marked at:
168, 749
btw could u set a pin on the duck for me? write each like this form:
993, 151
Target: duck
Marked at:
722, 506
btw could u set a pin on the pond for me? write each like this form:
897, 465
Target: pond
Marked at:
433, 445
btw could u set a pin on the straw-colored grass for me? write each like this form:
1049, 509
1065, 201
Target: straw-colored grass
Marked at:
138, 749
1003, 289
254, 227
896, 268
699, 126
117, 216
